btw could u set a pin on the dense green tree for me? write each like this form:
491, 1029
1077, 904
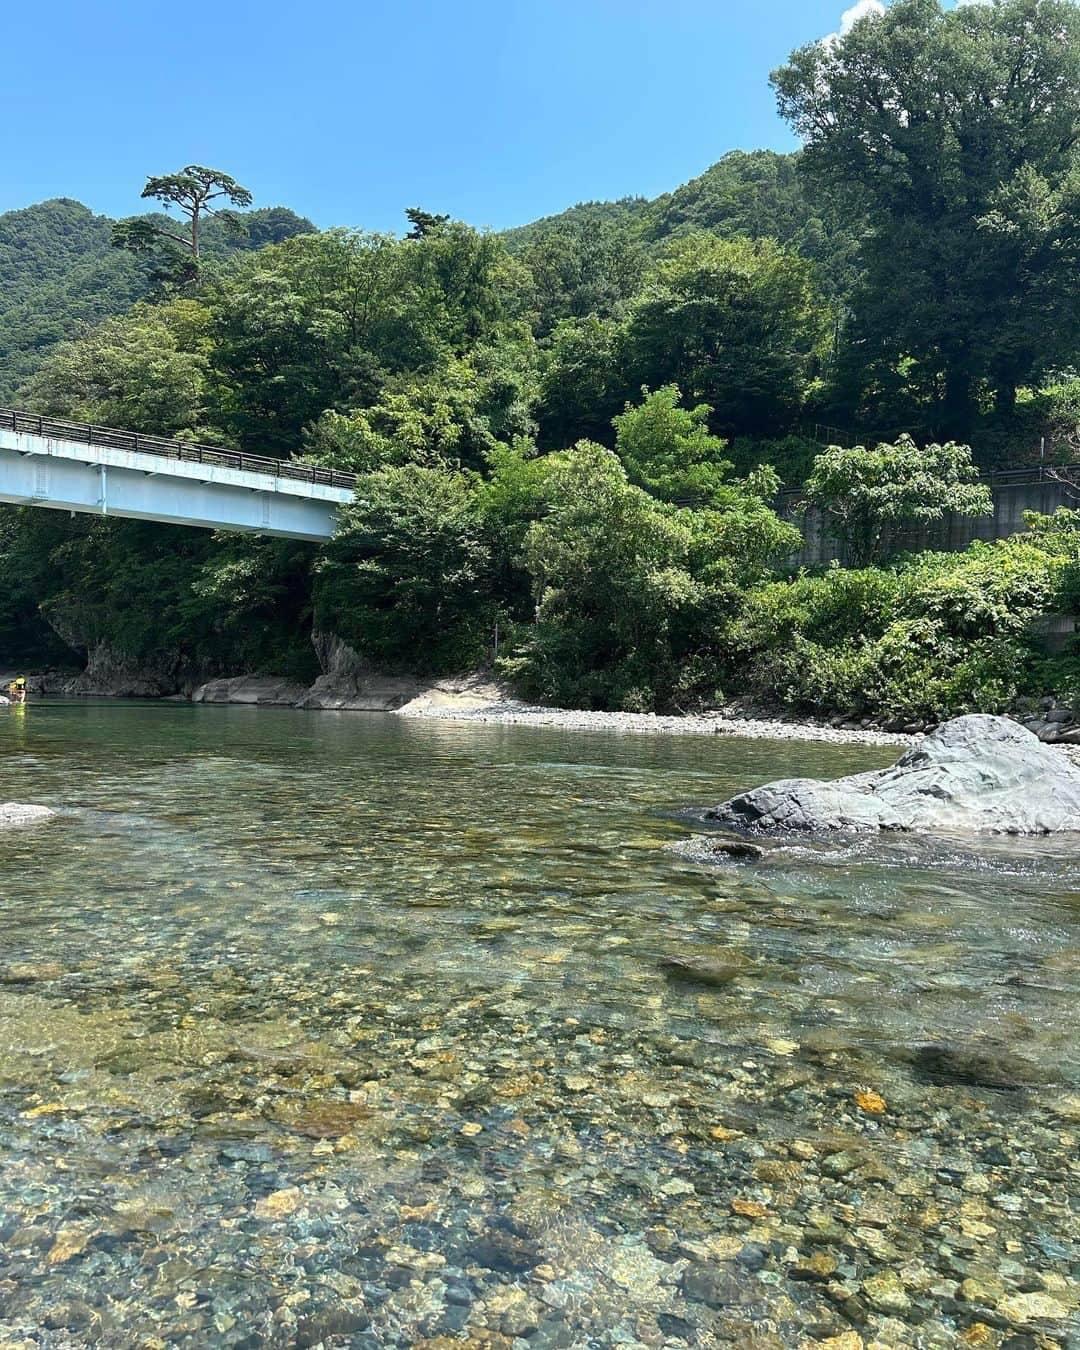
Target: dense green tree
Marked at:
331, 321
609, 570
513, 495
25, 635
181, 604
144, 371
456, 413
632, 595
737, 324
581, 381
125, 585
861, 491
669, 451
583, 269
250, 598
405, 579
310, 324
254, 229
954, 134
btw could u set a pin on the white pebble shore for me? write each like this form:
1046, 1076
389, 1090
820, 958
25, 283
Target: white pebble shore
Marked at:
708, 724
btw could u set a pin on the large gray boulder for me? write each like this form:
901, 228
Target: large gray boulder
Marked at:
976, 774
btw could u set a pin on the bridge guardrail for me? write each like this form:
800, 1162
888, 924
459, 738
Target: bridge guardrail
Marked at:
189, 451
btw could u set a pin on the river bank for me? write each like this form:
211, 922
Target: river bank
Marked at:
512, 712
477, 697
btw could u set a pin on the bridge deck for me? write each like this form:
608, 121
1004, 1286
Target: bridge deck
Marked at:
86, 433
75, 466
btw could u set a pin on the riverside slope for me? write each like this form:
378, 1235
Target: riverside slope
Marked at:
974, 775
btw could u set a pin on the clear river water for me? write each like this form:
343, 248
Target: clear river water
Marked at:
346, 1030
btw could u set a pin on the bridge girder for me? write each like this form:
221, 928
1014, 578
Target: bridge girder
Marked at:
60, 475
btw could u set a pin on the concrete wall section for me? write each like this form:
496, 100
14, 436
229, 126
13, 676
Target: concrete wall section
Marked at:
67, 476
1011, 501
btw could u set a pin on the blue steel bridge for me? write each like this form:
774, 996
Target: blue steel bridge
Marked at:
78, 467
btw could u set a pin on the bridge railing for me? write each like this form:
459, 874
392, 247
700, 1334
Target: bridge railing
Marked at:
189, 451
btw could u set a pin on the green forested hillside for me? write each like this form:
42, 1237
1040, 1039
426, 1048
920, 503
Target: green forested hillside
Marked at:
575, 432
756, 194
60, 273
625, 212
57, 272
751, 193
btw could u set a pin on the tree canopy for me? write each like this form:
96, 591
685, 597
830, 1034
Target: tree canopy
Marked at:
192, 191
863, 490
953, 134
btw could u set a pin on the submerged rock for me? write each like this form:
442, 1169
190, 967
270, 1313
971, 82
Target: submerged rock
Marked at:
15, 813
975, 774
985, 1065
715, 970
738, 850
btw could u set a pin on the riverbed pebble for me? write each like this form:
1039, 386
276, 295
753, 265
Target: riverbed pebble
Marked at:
540, 1083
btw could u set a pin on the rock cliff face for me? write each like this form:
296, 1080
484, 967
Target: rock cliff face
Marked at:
109, 671
114, 674
347, 683
976, 774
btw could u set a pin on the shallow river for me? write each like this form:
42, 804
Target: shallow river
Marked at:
340, 1030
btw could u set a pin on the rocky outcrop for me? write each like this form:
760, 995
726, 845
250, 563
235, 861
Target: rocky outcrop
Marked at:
348, 683
13, 814
111, 673
1053, 723
976, 774
264, 690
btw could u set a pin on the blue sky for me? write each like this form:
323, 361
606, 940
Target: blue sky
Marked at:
351, 110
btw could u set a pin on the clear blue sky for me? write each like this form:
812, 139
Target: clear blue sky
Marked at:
497, 111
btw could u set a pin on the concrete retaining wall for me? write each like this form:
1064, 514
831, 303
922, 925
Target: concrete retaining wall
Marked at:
1035, 492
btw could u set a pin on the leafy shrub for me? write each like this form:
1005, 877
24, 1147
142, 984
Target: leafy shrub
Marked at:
862, 490
935, 635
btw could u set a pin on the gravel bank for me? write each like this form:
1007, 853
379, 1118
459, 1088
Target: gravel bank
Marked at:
513, 713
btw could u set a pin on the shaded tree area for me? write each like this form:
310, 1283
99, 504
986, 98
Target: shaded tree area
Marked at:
952, 134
